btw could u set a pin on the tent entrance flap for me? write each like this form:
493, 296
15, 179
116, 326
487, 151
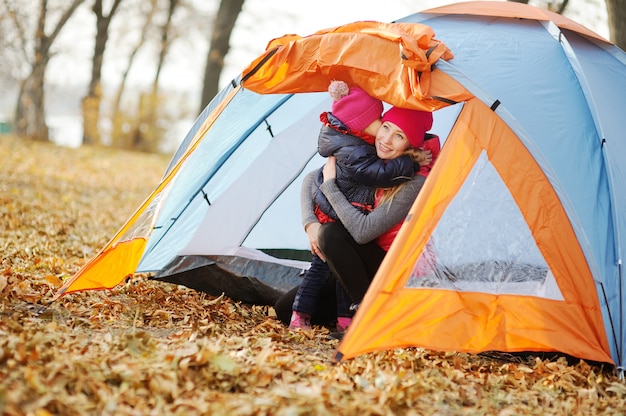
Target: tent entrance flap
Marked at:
487, 259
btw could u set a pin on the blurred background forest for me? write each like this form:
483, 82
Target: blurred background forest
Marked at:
134, 74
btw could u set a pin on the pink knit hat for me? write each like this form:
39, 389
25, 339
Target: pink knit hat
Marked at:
354, 107
414, 123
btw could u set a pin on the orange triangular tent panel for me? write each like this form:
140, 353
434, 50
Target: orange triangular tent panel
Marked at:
400, 72
120, 257
558, 310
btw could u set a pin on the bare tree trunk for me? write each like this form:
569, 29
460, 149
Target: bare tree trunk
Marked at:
118, 138
616, 10
561, 8
220, 44
166, 41
30, 112
153, 137
91, 102
30, 120
148, 139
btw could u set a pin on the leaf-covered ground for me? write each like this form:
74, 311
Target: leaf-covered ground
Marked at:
159, 349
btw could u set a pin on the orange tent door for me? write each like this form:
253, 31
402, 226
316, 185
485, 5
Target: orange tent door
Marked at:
396, 313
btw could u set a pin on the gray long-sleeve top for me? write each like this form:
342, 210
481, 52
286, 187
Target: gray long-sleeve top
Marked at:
362, 227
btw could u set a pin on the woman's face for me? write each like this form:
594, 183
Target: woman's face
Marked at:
391, 142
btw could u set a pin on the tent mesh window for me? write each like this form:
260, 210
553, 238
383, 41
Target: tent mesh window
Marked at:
483, 244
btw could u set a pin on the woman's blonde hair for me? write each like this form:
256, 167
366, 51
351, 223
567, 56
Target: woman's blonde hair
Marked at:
417, 155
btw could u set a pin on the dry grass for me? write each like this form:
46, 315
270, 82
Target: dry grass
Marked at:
155, 348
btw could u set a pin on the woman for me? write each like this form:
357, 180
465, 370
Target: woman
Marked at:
349, 132
355, 246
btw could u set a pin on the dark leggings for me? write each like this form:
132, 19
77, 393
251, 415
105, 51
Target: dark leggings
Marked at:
325, 306
353, 264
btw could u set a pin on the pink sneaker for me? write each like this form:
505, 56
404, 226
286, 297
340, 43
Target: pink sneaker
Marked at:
300, 320
342, 323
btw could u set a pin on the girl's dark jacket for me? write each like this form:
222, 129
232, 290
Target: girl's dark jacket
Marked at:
359, 170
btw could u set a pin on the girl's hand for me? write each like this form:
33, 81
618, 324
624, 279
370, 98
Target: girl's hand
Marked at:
421, 156
330, 168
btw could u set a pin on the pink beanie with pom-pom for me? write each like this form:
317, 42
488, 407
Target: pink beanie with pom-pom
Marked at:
354, 107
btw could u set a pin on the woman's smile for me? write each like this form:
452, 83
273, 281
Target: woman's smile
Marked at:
391, 141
